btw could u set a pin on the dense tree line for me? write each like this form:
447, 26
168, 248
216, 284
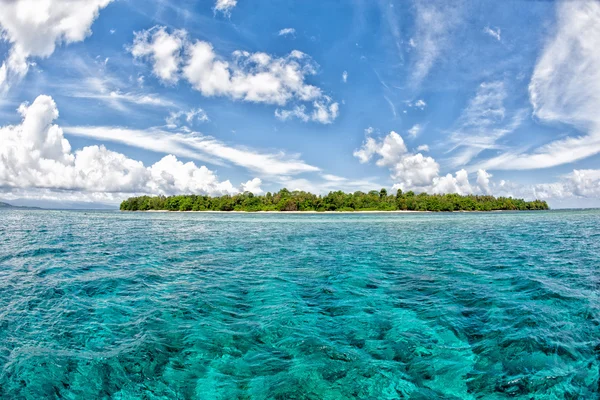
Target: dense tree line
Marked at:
284, 200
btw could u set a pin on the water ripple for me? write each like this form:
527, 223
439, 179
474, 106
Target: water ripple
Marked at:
211, 306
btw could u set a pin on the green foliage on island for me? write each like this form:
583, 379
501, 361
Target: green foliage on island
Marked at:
284, 200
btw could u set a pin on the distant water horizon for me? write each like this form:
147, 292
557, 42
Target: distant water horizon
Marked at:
109, 304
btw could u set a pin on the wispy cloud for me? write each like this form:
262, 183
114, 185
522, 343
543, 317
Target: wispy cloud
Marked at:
414, 131
482, 123
565, 87
199, 147
493, 33
104, 89
176, 118
435, 21
287, 32
392, 106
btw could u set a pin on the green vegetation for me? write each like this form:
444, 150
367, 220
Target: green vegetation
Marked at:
284, 200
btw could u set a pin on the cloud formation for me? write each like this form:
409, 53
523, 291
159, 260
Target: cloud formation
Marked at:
35, 154
199, 147
287, 31
565, 88
178, 118
483, 123
434, 22
495, 33
225, 6
252, 77
35, 28
163, 49
411, 171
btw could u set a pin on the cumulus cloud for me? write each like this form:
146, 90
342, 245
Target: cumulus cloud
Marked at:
287, 31
252, 186
483, 181
35, 28
345, 76
411, 171
564, 87
163, 49
580, 184
35, 154
253, 77
225, 6
423, 148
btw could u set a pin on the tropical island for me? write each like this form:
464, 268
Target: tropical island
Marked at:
285, 200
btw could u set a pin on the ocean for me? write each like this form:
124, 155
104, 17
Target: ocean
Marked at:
111, 305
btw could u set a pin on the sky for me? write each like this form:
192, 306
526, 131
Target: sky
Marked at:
101, 100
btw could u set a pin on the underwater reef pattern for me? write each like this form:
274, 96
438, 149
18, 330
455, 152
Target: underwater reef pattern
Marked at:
110, 305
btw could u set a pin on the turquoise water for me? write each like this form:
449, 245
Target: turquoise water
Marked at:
101, 305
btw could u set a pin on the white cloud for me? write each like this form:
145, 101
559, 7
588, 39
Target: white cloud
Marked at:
328, 185
565, 87
324, 112
493, 33
414, 171
411, 171
252, 186
36, 155
423, 148
287, 31
333, 178
35, 28
98, 85
170, 175
253, 77
582, 184
163, 49
345, 76
483, 181
194, 115
225, 6
392, 106
482, 123
420, 103
434, 22
198, 147
414, 131
116, 98
459, 183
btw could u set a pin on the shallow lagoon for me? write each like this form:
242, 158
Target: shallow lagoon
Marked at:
256, 306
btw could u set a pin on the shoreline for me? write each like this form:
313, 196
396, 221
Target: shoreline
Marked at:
321, 212
280, 212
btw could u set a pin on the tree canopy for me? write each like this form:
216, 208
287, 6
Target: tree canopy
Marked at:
284, 200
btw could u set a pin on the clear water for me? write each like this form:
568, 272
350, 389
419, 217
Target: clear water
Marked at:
99, 305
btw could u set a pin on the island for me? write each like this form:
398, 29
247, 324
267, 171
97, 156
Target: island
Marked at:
375, 200
11, 207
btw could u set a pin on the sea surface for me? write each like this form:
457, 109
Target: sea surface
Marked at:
110, 305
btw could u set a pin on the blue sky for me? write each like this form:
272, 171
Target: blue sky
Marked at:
217, 97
